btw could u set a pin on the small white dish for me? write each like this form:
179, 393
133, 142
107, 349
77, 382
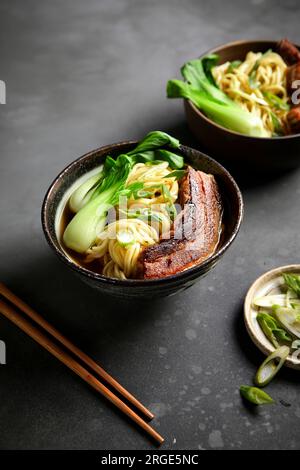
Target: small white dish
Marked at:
267, 283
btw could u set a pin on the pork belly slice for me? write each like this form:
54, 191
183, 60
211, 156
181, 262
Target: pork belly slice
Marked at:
195, 233
292, 78
289, 52
293, 121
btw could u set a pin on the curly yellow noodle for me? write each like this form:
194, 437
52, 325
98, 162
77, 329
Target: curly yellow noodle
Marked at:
120, 261
270, 76
154, 175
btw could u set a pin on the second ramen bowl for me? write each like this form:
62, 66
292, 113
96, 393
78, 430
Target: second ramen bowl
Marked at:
139, 288
242, 151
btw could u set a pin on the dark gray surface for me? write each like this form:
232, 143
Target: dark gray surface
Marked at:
80, 75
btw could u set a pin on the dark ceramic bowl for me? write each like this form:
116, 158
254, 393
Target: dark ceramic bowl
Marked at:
264, 154
233, 212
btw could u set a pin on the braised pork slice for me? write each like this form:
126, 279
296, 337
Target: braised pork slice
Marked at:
293, 78
293, 121
289, 52
196, 231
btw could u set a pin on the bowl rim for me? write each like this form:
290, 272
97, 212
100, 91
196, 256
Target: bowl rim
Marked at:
210, 121
134, 282
265, 347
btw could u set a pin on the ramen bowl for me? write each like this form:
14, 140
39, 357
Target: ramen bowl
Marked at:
270, 154
52, 210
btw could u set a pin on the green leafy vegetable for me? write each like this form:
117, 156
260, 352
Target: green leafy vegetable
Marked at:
227, 114
92, 200
255, 395
82, 230
154, 157
153, 162
175, 161
83, 193
155, 140
194, 74
209, 62
201, 90
146, 157
271, 366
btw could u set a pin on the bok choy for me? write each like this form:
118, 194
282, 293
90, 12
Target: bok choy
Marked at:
92, 200
200, 88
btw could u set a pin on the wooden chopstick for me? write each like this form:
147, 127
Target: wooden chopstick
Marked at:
11, 314
19, 303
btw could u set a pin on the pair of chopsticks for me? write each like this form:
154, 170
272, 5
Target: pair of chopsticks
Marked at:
13, 308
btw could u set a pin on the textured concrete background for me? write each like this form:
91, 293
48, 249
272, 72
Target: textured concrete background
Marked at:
80, 75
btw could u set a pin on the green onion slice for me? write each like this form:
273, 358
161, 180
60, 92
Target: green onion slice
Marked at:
268, 326
296, 344
271, 366
255, 395
289, 319
178, 174
125, 238
233, 65
276, 299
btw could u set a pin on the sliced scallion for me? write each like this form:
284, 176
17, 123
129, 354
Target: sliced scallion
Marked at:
125, 238
268, 325
271, 366
289, 318
293, 282
275, 299
178, 174
296, 344
255, 395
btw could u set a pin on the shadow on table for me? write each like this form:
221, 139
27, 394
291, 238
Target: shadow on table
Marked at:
245, 178
85, 315
96, 323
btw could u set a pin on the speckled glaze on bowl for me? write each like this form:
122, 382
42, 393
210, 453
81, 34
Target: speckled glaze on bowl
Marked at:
138, 288
244, 152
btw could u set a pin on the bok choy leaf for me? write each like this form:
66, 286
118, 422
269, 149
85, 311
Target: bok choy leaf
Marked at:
92, 200
199, 87
228, 115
